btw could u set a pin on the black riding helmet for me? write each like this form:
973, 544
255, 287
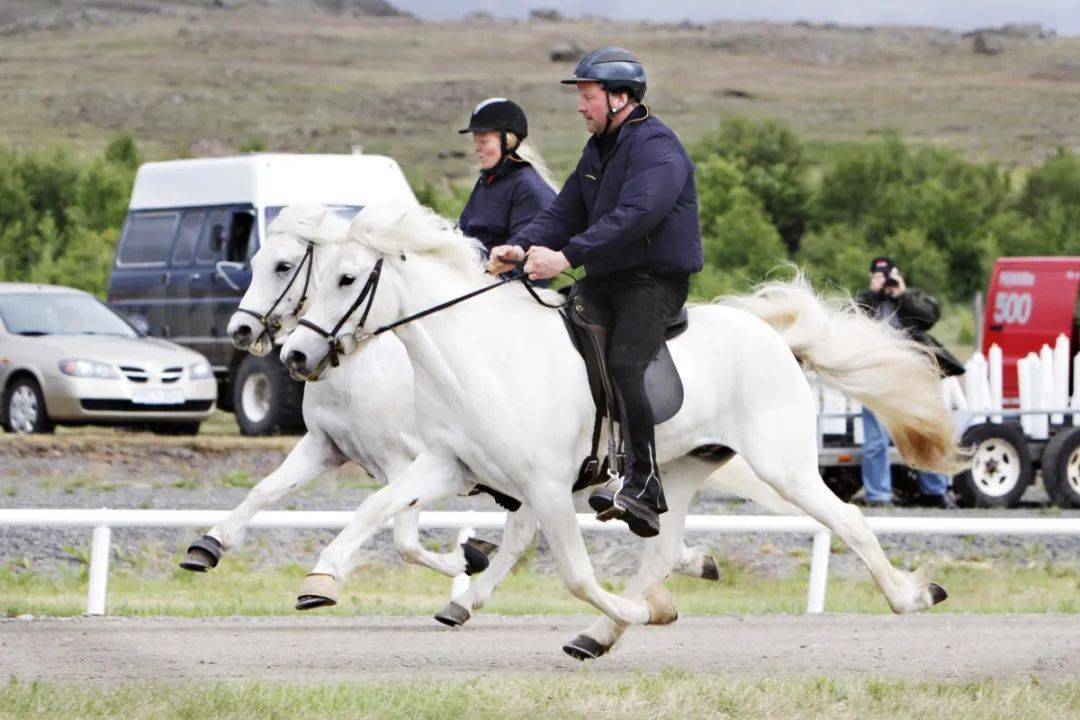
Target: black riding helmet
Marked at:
502, 116
615, 68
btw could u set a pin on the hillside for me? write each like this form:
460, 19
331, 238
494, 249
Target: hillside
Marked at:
193, 78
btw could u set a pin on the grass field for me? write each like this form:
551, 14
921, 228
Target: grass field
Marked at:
199, 81
378, 590
668, 695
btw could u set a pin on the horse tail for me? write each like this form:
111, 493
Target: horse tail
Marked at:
868, 360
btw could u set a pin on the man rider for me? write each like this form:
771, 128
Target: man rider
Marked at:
628, 214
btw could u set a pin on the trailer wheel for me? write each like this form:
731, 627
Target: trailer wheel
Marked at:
1061, 468
843, 480
1000, 469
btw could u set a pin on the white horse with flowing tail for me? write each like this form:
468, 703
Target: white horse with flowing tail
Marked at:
503, 395
362, 412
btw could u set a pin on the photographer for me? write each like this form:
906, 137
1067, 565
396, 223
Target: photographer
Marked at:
889, 299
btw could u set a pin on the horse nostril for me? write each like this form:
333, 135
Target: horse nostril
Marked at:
296, 360
242, 333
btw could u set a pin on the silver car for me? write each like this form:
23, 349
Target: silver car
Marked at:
66, 358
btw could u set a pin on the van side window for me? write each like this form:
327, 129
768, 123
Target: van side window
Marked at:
147, 238
213, 235
187, 237
240, 235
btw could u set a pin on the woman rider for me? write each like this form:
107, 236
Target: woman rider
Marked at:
514, 184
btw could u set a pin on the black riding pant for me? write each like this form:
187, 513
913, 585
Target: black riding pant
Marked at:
636, 308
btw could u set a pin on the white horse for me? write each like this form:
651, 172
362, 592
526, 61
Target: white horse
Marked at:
504, 396
362, 412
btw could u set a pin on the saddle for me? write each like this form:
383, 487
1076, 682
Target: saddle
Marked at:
663, 386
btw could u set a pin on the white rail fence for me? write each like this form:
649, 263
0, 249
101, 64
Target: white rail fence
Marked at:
103, 521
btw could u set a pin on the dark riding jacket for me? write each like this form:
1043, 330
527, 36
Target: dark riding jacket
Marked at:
632, 208
504, 201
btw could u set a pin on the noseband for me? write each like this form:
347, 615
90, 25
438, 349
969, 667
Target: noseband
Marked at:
274, 325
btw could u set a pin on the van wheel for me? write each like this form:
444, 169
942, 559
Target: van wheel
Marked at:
1000, 469
24, 408
1061, 468
265, 399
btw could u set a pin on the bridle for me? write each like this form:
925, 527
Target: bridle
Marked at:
273, 325
367, 293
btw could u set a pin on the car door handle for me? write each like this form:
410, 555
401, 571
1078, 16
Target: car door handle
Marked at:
166, 277
196, 276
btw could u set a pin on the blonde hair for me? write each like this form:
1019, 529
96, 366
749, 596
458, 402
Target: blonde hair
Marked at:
528, 152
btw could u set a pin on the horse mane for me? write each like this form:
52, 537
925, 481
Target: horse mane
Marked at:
312, 223
398, 229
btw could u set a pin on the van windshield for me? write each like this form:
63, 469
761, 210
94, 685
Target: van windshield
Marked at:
35, 314
347, 212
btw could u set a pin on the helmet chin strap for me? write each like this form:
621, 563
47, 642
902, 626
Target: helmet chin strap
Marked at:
611, 112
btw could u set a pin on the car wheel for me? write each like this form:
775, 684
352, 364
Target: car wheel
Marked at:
1001, 468
265, 399
24, 408
175, 428
1061, 468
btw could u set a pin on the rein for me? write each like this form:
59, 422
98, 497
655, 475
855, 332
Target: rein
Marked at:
368, 293
273, 326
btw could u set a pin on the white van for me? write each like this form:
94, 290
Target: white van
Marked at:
182, 261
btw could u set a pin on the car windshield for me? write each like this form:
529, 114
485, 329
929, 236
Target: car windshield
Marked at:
347, 212
60, 314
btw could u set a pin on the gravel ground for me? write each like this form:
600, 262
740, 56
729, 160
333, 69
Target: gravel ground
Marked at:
930, 647
118, 471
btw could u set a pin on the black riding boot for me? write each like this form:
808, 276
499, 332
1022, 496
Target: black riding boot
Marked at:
639, 501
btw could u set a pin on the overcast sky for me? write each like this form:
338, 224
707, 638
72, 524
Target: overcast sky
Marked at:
1061, 15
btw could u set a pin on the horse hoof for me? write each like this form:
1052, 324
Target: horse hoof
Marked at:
453, 615
937, 593
709, 569
476, 556
317, 590
584, 648
488, 548
202, 555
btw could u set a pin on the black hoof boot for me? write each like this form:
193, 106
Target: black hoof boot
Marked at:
476, 555
937, 593
709, 569
202, 555
584, 648
453, 615
310, 602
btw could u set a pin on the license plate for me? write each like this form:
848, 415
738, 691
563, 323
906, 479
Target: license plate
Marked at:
157, 396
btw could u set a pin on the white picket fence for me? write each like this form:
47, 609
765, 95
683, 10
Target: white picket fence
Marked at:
103, 521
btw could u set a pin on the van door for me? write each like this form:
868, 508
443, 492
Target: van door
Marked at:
140, 276
215, 281
178, 310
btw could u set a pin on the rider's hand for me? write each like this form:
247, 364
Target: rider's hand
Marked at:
542, 263
495, 264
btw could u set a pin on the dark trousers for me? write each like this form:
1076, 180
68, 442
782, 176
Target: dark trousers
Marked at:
636, 308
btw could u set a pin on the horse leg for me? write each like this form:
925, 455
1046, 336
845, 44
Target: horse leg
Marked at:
517, 536
313, 455
430, 477
555, 513
470, 557
659, 557
793, 474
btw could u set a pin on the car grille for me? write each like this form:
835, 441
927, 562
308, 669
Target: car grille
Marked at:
171, 375
128, 406
135, 374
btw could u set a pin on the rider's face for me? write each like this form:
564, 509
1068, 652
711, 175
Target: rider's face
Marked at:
593, 105
488, 149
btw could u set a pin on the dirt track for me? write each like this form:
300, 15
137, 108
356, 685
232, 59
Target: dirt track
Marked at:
310, 649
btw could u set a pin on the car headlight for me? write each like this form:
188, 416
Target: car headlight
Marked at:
88, 369
200, 371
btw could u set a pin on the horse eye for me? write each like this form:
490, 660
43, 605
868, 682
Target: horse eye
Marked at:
346, 280
282, 267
